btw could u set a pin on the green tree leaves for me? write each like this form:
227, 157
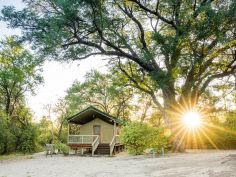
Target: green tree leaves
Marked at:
181, 46
19, 74
137, 137
170, 40
104, 91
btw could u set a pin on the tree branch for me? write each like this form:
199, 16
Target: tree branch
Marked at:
140, 27
137, 85
156, 13
215, 76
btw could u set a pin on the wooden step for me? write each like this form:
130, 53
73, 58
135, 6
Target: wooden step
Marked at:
103, 149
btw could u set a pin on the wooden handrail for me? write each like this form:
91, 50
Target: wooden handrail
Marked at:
112, 144
81, 139
95, 144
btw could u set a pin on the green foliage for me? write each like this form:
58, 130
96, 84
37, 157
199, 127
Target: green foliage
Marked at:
218, 133
230, 131
63, 148
19, 70
137, 137
178, 47
62, 112
28, 139
45, 134
219, 137
15, 137
19, 74
63, 134
7, 139
110, 92
184, 40
159, 140
156, 119
231, 120
104, 91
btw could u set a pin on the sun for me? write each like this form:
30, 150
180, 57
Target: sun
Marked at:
192, 119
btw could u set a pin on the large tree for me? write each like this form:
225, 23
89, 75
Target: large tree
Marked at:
181, 46
19, 75
108, 92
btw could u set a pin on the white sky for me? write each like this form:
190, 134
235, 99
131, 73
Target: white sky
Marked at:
58, 77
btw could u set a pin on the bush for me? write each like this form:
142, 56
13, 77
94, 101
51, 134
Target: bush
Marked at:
45, 134
158, 140
28, 139
230, 120
62, 148
226, 137
137, 137
217, 134
7, 139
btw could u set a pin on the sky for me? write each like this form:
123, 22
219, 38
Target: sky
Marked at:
58, 77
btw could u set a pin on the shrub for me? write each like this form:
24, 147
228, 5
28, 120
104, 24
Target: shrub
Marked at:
158, 140
7, 139
137, 137
62, 148
217, 133
45, 134
28, 139
230, 120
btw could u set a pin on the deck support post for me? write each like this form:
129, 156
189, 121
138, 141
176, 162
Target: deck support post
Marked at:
82, 151
115, 132
75, 151
68, 132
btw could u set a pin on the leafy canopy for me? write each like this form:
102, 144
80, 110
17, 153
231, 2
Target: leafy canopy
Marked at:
104, 91
182, 46
19, 75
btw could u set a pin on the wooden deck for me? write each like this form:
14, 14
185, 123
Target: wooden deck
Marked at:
101, 149
73, 146
91, 144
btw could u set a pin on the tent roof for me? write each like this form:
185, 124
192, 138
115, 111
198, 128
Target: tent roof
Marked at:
91, 113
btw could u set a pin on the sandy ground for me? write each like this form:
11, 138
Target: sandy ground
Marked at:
190, 164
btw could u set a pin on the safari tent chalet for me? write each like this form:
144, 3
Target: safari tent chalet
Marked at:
97, 132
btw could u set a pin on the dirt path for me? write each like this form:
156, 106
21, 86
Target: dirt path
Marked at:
193, 164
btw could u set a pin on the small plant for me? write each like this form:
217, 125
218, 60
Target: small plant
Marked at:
63, 148
137, 137
158, 140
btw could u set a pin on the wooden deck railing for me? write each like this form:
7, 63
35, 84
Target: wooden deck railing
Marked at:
94, 140
95, 144
82, 139
114, 141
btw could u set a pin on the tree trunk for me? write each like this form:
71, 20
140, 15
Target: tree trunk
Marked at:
171, 121
144, 114
60, 130
7, 106
52, 131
